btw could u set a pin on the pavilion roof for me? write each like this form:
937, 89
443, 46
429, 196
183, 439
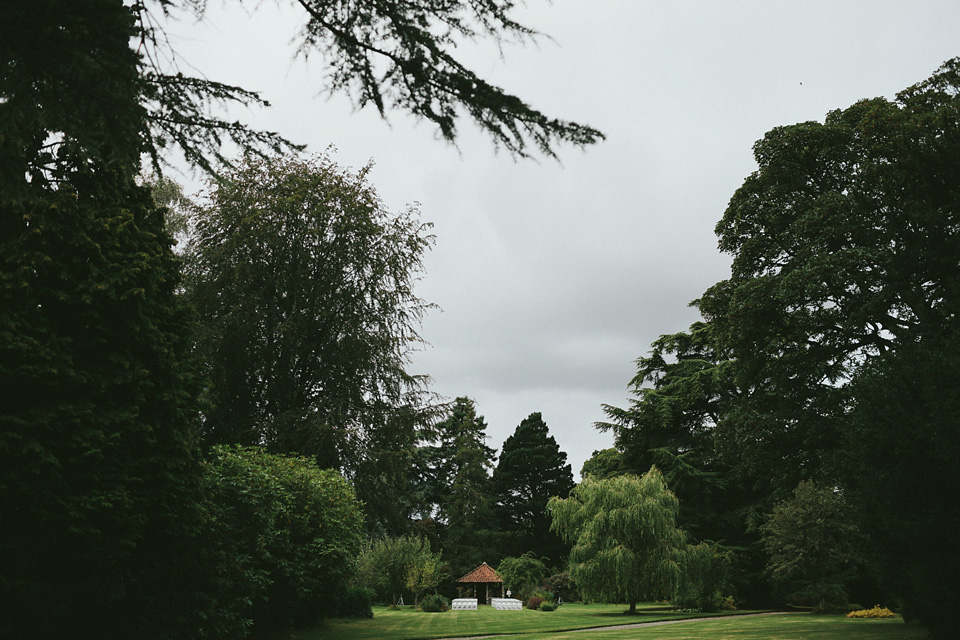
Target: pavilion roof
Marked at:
483, 573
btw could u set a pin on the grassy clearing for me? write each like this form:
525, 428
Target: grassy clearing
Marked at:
790, 626
407, 624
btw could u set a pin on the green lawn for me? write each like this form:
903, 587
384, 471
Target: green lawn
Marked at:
407, 624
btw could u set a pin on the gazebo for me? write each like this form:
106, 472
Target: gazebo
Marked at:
483, 576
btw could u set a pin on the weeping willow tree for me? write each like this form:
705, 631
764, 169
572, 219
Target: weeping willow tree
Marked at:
626, 544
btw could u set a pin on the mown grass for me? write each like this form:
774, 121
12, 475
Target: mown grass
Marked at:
789, 626
406, 624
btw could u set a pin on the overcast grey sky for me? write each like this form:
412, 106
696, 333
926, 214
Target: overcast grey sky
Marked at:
554, 277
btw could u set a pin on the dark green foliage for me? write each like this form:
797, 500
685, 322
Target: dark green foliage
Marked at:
813, 545
391, 55
455, 486
681, 391
98, 472
523, 575
303, 283
281, 542
434, 603
605, 463
398, 55
354, 602
844, 247
98, 469
534, 602
393, 565
902, 460
79, 89
98, 475
706, 583
530, 471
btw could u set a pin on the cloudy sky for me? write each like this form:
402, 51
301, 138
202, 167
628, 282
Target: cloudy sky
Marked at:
553, 277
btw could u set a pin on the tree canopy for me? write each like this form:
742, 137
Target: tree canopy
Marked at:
99, 471
626, 545
812, 544
835, 329
303, 284
844, 246
395, 564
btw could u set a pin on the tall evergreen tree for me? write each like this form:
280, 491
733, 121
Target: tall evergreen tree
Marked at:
457, 488
98, 473
531, 469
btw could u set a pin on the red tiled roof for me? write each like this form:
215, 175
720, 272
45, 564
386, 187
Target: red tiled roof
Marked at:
483, 573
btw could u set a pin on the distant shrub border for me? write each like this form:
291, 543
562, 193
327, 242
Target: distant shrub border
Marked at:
876, 612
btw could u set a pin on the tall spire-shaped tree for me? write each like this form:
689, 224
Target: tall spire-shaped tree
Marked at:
457, 485
530, 471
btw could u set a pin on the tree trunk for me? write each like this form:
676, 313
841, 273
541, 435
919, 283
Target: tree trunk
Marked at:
633, 607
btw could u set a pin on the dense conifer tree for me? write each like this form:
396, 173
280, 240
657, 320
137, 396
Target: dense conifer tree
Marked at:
531, 469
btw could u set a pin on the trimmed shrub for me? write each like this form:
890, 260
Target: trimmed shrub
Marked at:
534, 602
434, 603
547, 606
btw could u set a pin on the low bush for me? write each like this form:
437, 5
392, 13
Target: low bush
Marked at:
354, 602
548, 606
876, 612
434, 603
534, 602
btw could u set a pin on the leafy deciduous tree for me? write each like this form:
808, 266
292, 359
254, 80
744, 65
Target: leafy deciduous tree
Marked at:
626, 545
605, 463
844, 246
397, 563
812, 543
282, 538
303, 283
